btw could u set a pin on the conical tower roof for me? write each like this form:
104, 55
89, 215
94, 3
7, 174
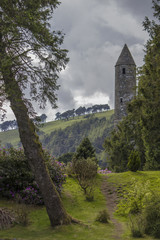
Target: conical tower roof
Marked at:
125, 57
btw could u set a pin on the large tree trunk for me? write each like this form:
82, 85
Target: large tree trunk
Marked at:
33, 151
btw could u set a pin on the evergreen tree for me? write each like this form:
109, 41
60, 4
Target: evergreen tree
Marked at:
126, 137
149, 91
24, 33
85, 150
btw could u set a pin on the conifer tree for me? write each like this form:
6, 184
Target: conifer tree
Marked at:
85, 150
30, 60
149, 91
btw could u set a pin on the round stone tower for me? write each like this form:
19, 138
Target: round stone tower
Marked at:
125, 83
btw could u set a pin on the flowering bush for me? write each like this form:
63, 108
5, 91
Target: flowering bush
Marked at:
17, 180
31, 195
105, 171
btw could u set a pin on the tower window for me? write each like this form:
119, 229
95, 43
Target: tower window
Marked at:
123, 70
121, 100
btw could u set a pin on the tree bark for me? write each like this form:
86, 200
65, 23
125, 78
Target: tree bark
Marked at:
33, 148
34, 152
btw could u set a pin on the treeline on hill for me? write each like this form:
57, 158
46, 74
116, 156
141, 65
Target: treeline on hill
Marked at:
81, 111
64, 141
12, 124
138, 135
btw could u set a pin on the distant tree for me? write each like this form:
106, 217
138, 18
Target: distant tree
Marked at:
58, 116
89, 110
4, 126
43, 118
13, 124
71, 113
7, 125
105, 107
97, 108
65, 115
80, 111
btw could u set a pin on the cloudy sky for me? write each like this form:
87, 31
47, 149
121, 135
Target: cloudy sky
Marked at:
96, 31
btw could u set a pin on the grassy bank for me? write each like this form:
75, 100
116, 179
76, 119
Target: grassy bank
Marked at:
75, 203
77, 206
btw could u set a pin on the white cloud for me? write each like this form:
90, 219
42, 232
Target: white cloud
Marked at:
96, 98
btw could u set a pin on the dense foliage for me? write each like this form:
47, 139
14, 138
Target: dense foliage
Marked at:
140, 130
30, 61
84, 167
66, 157
143, 208
17, 180
66, 140
85, 150
134, 161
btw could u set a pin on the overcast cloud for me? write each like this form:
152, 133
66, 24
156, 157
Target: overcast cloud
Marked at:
96, 31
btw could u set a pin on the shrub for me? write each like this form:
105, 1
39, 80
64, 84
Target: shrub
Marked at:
7, 218
151, 215
69, 169
134, 199
16, 178
134, 161
31, 195
85, 171
143, 207
103, 216
136, 225
15, 174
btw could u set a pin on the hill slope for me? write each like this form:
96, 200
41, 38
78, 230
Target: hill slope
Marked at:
62, 136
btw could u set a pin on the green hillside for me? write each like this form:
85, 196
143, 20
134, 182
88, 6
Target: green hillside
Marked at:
64, 136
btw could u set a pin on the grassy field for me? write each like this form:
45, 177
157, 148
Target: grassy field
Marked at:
12, 136
78, 207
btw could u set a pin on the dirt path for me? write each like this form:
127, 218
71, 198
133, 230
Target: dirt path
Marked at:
110, 193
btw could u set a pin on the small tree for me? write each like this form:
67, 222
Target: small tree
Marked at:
85, 171
85, 150
84, 166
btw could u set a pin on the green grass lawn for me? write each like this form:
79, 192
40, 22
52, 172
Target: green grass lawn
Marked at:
76, 205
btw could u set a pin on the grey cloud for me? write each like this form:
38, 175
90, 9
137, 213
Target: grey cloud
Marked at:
96, 31
95, 34
139, 8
